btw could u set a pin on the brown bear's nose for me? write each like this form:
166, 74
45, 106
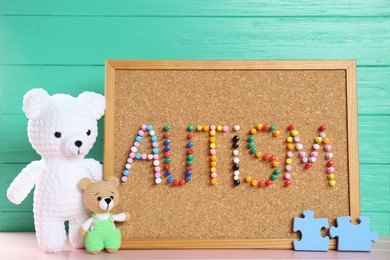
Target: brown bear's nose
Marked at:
108, 200
78, 143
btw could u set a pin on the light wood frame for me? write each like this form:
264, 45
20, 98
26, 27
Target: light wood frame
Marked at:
111, 66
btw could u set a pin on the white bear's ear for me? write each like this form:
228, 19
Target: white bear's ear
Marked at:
95, 102
84, 183
33, 101
114, 180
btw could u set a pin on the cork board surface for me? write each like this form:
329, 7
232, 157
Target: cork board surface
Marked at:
198, 210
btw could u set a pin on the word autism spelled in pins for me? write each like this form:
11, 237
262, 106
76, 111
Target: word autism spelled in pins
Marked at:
293, 144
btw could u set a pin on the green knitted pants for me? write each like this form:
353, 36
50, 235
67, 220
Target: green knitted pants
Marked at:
105, 236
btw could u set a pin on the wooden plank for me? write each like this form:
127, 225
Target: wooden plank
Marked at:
109, 139
207, 243
353, 147
15, 81
54, 40
16, 221
373, 90
374, 188
380, 221
199, 8
374, 148
236, 64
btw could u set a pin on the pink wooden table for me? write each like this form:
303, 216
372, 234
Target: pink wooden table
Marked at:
24, 246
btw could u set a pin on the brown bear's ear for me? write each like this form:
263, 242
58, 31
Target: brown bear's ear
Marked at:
84, 183
114, 180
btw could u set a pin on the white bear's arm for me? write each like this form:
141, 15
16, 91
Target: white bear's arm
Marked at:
24, 182
120, 217
95, 169
87, 224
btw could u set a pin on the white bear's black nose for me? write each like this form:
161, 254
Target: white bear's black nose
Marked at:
78, 143
108, 200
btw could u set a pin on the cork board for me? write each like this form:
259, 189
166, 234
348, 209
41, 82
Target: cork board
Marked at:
245, 93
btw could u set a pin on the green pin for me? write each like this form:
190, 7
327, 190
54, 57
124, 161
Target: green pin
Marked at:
190, 128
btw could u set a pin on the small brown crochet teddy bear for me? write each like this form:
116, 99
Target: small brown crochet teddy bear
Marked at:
99, 230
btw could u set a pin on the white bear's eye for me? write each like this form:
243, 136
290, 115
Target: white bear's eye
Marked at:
99, 198
57, 134
89, 132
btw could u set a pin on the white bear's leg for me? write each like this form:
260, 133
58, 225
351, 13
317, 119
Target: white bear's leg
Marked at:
76, 240
50, 233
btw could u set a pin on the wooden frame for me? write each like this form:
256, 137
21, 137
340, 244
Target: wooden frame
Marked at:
112, 66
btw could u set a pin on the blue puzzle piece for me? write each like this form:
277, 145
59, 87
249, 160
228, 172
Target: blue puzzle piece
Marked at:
310, 229
353, 237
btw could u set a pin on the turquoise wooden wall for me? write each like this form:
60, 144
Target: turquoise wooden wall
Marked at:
61, 46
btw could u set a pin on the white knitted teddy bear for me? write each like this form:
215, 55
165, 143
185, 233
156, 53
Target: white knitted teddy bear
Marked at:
62, 129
